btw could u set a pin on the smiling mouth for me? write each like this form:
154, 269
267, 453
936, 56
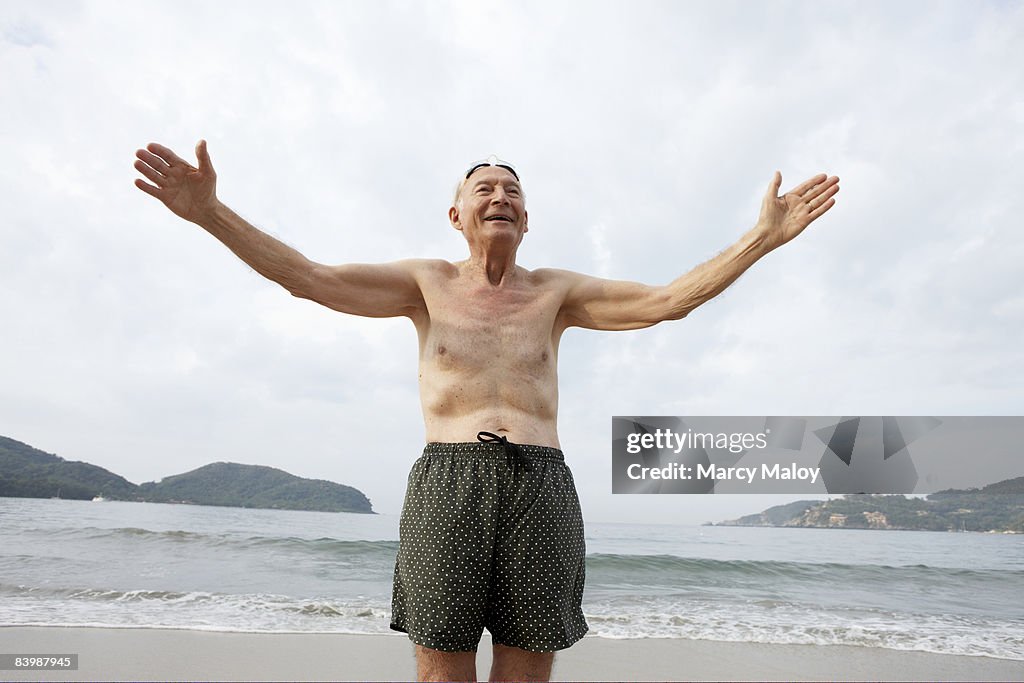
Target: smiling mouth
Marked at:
499, 218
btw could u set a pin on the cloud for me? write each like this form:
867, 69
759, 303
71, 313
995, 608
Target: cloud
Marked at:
645, 138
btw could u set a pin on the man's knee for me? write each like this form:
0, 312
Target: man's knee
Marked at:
515, 664
437, 665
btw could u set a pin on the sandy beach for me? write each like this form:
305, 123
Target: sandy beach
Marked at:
156, 654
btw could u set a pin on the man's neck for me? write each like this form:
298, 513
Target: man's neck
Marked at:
497, 265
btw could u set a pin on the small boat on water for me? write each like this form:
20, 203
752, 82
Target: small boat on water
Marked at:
99, 499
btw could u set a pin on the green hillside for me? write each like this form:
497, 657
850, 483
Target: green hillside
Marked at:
998, 507
26, 472
253, 486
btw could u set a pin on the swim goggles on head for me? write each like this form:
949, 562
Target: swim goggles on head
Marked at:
492, 161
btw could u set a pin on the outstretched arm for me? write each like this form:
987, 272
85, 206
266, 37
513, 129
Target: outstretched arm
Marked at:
378, 291
614, 305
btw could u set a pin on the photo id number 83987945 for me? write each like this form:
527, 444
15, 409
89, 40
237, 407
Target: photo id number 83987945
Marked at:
34, 662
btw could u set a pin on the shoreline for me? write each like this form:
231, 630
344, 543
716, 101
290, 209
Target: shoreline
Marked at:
144, 654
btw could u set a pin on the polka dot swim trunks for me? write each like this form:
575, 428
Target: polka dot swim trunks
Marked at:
491, 536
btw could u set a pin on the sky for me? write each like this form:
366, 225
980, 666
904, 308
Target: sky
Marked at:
645, 134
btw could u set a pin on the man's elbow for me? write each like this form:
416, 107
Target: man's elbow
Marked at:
665, 307
678, 312
301, 283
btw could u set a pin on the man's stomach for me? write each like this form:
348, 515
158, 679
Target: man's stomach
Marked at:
523, 411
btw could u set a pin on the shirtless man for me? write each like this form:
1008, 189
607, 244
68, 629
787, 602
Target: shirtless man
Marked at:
491, 534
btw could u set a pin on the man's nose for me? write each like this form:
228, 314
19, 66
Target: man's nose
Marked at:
500, 196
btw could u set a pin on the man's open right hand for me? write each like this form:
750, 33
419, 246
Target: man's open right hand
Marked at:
188, 191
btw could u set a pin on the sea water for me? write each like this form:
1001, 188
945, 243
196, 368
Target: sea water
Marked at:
146, 565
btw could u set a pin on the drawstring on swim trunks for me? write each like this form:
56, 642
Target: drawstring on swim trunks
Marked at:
513, 455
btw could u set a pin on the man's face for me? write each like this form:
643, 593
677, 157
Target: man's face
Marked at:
491, 204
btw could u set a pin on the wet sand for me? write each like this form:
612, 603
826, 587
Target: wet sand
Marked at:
180, 655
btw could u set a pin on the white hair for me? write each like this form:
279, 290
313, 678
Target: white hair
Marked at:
462, 183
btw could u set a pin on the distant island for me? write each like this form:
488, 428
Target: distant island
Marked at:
996, 508
26, 472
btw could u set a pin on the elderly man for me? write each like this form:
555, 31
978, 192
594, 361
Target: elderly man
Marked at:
491, 532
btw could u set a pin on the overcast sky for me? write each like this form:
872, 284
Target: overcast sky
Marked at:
645, 135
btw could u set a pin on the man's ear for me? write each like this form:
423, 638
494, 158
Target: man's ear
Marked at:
453, 218
526, 221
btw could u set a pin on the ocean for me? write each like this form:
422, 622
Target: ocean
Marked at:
146, 565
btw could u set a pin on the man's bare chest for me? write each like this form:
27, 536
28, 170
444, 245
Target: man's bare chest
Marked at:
472, 328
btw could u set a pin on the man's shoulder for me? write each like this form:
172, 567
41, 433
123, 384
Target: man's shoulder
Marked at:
426, 266
554, 276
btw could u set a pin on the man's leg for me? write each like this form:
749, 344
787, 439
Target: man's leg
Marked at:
443, 566
435, 665
536, 591
514, 664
